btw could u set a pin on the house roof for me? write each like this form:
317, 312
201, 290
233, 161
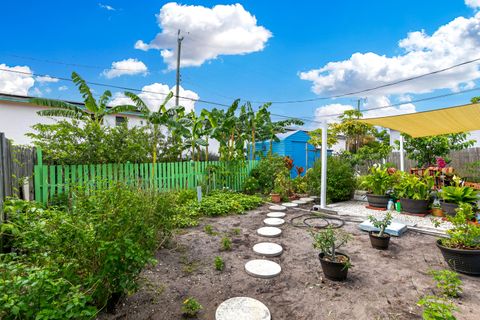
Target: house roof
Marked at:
26, 99
431, 123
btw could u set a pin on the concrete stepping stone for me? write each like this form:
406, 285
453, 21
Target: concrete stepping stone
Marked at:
289, 204
242, 308
277, 214
268, 249
269, 232
277, 208
299, 201
273, 222
307, 200
261, 268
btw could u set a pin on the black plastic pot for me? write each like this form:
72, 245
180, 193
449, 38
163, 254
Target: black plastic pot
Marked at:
460, 260
380, 243
449, 208
377, 201
335, 271
414, 206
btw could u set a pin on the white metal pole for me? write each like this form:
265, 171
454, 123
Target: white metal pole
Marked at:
402, 156
323, 187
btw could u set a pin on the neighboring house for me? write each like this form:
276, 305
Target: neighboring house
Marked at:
395, 135
295, 145
17, 116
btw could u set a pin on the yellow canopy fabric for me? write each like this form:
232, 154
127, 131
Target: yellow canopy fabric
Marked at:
430, 123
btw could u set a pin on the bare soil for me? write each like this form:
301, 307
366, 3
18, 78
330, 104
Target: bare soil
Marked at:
380, 285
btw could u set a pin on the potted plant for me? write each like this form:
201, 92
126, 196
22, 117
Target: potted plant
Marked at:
455, 195
378, 183
462, 249
414, 192
380, 239
335, 264
281, 188
437, 210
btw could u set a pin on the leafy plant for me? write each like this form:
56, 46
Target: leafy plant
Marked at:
300, 184
268, 168
191, 307
219, 263
221, 203
448, 281
379, 181
209, 230
329, 240
226, 244
340, 178
463, 235
251, 185
381, 224
458, 194
436, 308
413, 187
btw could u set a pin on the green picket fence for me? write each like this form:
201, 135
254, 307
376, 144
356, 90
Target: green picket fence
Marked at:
50, 181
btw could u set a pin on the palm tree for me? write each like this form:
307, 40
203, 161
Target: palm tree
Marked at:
93, 110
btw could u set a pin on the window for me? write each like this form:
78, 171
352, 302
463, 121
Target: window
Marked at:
119, 120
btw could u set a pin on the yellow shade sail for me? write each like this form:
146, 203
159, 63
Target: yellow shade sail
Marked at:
431, 123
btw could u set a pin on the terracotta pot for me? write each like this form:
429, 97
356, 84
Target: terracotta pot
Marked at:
275, 197
380, 243
377, 201
460, 260
335, 271
437, 212
414, 206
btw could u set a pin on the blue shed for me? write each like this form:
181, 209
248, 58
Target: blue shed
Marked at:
295, 145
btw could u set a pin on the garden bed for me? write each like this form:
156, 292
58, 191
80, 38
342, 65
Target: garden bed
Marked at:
381, 285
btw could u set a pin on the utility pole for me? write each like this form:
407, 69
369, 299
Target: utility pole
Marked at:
179, 49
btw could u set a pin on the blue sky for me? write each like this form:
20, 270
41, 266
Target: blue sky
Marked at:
305, 35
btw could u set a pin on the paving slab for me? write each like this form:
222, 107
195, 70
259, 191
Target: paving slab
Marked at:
308, 200
277, 208
268, 249
276, 214
289, 204
273, 222
299, 201
261, 268
269, 232
242, 308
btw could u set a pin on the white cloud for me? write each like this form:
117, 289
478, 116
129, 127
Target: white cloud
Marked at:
453, 43
373, 107
16, 83
125, 67
62, 88
46, 79
106, 7
150, 95
474, 4
209, 32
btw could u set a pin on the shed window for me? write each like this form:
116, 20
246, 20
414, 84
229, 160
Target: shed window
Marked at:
119, 120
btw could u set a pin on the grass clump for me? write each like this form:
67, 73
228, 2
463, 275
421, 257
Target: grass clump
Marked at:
219, 263
226, 244
209, 230
191, 307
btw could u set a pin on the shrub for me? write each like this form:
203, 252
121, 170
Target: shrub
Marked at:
219, 263
340, 178
85, 255
191, 307
379, 181
221, 203
329, 240
267, 170
447, 281
226, 244
463, 235
436, 308
251, 185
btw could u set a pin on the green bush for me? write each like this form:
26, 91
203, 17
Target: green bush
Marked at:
268, 168
221, 203
76, 260
340, 178
251, 185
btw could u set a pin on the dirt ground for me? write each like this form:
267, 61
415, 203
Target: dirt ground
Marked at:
381, 284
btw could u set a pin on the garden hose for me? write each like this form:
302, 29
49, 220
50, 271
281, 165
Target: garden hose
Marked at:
328, 221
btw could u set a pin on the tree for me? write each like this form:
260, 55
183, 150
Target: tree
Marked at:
93, 111
425, 150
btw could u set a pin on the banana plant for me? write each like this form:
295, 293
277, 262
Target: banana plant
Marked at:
93, 110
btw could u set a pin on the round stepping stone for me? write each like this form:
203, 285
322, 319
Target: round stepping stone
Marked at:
314, 197
277, 214
307, 199
273, 222
289, 204
242, 308
269, 232
261, 268
299, 202
268, 249
277, 208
